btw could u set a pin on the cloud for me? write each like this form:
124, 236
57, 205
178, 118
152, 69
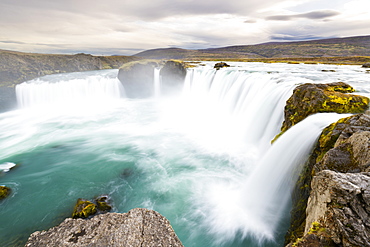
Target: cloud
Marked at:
313, 15
11, 42
297, 37
250, 21
125, 27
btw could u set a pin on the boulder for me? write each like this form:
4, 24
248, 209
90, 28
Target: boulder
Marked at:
220, 65
310, 98
139, 227
138, 78
337, 134
172, 77
349, 155
4, 192
340, 204
366, 65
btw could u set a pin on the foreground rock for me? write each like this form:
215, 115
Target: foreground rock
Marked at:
138, 227
339, 205
342, 147
138, 77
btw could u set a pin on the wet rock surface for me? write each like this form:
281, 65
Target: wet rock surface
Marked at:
138, 227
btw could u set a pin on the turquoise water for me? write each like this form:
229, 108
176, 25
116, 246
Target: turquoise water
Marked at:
122, 151
188, 157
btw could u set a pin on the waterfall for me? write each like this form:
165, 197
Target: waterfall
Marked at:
202, 158
256, 207
157, 82
68, 89
248, 106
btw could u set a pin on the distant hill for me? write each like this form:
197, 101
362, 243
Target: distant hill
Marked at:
335, 47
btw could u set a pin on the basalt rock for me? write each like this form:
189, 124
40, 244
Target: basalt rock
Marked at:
343, 147
340, 204
137, 228
172, 77
310, 98
4, 192
138, 77
349, 155
103, 204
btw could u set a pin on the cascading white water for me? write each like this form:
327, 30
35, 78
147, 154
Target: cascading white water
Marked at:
248, 107
52, 89
157, 82
202, 159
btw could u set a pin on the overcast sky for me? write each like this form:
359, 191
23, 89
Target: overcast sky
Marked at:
126, 27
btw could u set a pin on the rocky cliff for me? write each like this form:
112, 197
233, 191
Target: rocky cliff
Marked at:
139, 227
342, 147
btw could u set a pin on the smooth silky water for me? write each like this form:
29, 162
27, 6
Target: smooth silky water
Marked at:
202, 158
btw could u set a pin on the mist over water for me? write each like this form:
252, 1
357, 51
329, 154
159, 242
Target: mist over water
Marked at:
202, 158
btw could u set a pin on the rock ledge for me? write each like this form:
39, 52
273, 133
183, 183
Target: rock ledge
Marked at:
139, 227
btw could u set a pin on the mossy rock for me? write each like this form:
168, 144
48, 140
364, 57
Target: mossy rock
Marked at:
83, 209
308, 99
102, 203
333, 150
4, 192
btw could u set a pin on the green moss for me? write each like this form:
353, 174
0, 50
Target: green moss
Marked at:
277, 136
316, 228
297, 241
4, 192
83, 209
308, 99
328, 138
